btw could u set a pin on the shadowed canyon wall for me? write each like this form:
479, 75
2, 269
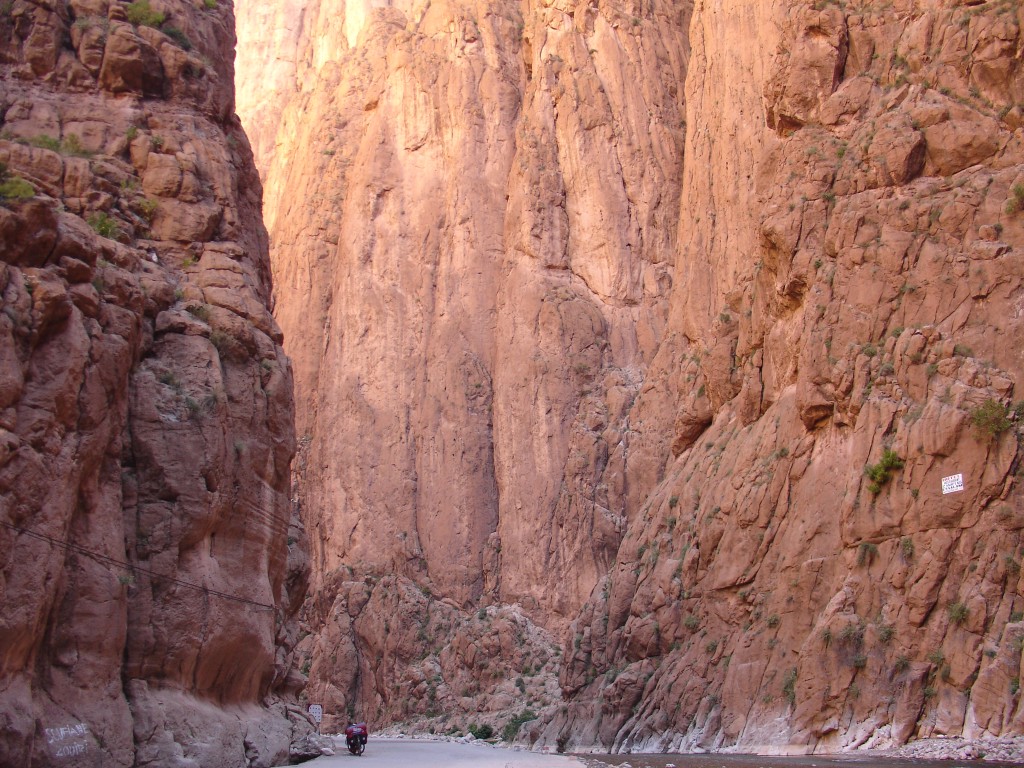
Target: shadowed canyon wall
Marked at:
654, 327
150, 568
473, 209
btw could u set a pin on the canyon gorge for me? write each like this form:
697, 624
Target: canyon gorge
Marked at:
617, 375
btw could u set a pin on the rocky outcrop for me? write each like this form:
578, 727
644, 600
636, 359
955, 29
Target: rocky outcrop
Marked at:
150, 564
390, 651
698, 400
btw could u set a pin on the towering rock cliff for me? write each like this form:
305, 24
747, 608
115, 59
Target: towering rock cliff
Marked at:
473, 209
690, 404
149, 566
846, 298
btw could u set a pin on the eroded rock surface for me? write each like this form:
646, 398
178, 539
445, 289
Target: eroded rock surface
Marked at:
473, 210
845, 316
700, 407
149, 563
389, 646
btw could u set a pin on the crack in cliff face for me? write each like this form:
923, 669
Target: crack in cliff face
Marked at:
688, 373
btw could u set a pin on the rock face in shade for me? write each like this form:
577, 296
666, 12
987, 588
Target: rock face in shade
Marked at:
149, 564
473, 210
451, 278
417, 169
693, 409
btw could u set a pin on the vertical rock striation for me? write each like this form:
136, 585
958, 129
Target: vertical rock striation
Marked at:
473, 210
847, 285
149, 564
692, 404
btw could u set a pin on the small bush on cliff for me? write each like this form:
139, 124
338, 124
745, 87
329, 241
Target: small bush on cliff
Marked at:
199, 311
907, 548
866, 552
879, 473
962, 350
148, 208
141, 13
789, 686
72, 145
511, 729
179, 37
481, 731
1016, 201
92, 22
169, 379
209, 4
45, 142
14, 188
958, 612
104, 225
990, 419
852, 634
1012, 566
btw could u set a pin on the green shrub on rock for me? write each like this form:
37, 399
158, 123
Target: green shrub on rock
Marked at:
141, 13
14, 187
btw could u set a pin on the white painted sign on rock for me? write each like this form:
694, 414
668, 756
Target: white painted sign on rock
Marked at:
952, 484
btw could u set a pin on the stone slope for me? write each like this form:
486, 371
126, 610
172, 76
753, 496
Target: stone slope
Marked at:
150, 564
543, 360
392, 648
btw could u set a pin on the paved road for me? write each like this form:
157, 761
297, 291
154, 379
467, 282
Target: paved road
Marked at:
411, 753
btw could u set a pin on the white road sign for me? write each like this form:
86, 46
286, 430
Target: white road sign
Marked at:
952, 484
316, 711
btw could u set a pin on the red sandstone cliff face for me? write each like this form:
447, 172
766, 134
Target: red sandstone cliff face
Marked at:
853, 274
473, 211
546, 356
150, 566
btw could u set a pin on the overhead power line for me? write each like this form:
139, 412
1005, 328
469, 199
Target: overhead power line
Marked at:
107, 560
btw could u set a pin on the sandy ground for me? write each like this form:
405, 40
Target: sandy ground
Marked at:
410, 753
